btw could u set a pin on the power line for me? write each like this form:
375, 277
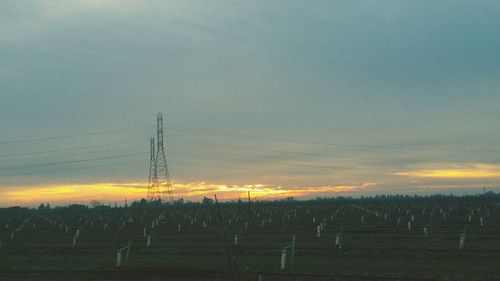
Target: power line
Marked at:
240, 147
398, 148
246, 136
187, 163
225, 145
232, 167
199, 143
64, 149
287, 165
107, 132
313, 165
7, 168
63, 169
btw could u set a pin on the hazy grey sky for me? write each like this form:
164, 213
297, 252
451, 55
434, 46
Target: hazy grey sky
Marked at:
406, 87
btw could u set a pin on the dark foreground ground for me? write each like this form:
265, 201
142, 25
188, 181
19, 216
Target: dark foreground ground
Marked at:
196, 242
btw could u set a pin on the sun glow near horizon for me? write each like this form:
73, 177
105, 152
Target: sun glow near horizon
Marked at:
472, 171
119, 192
62, 194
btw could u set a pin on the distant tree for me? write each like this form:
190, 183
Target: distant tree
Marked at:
139, 204
154, 203
77, 207
178, 202
207, 201
95, 204
43, 207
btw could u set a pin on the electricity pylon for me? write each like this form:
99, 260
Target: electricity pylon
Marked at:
159, 186
153, 179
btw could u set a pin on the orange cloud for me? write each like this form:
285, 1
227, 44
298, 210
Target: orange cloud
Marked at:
70, 193
463, 172
117, 192
449, 186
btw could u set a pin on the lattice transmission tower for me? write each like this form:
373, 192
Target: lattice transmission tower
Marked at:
159, 184
153, 185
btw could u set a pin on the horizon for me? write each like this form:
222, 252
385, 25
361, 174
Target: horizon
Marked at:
279, 99
181, 201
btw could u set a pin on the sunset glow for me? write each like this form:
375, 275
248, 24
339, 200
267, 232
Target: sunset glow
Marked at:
279, 99
118, 192
468, 172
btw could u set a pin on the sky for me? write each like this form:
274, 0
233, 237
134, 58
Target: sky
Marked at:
280, 98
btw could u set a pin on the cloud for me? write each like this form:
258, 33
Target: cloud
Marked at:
457, 172
112, 192
383, 74
71, 193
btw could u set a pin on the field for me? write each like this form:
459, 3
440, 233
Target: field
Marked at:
334, 240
